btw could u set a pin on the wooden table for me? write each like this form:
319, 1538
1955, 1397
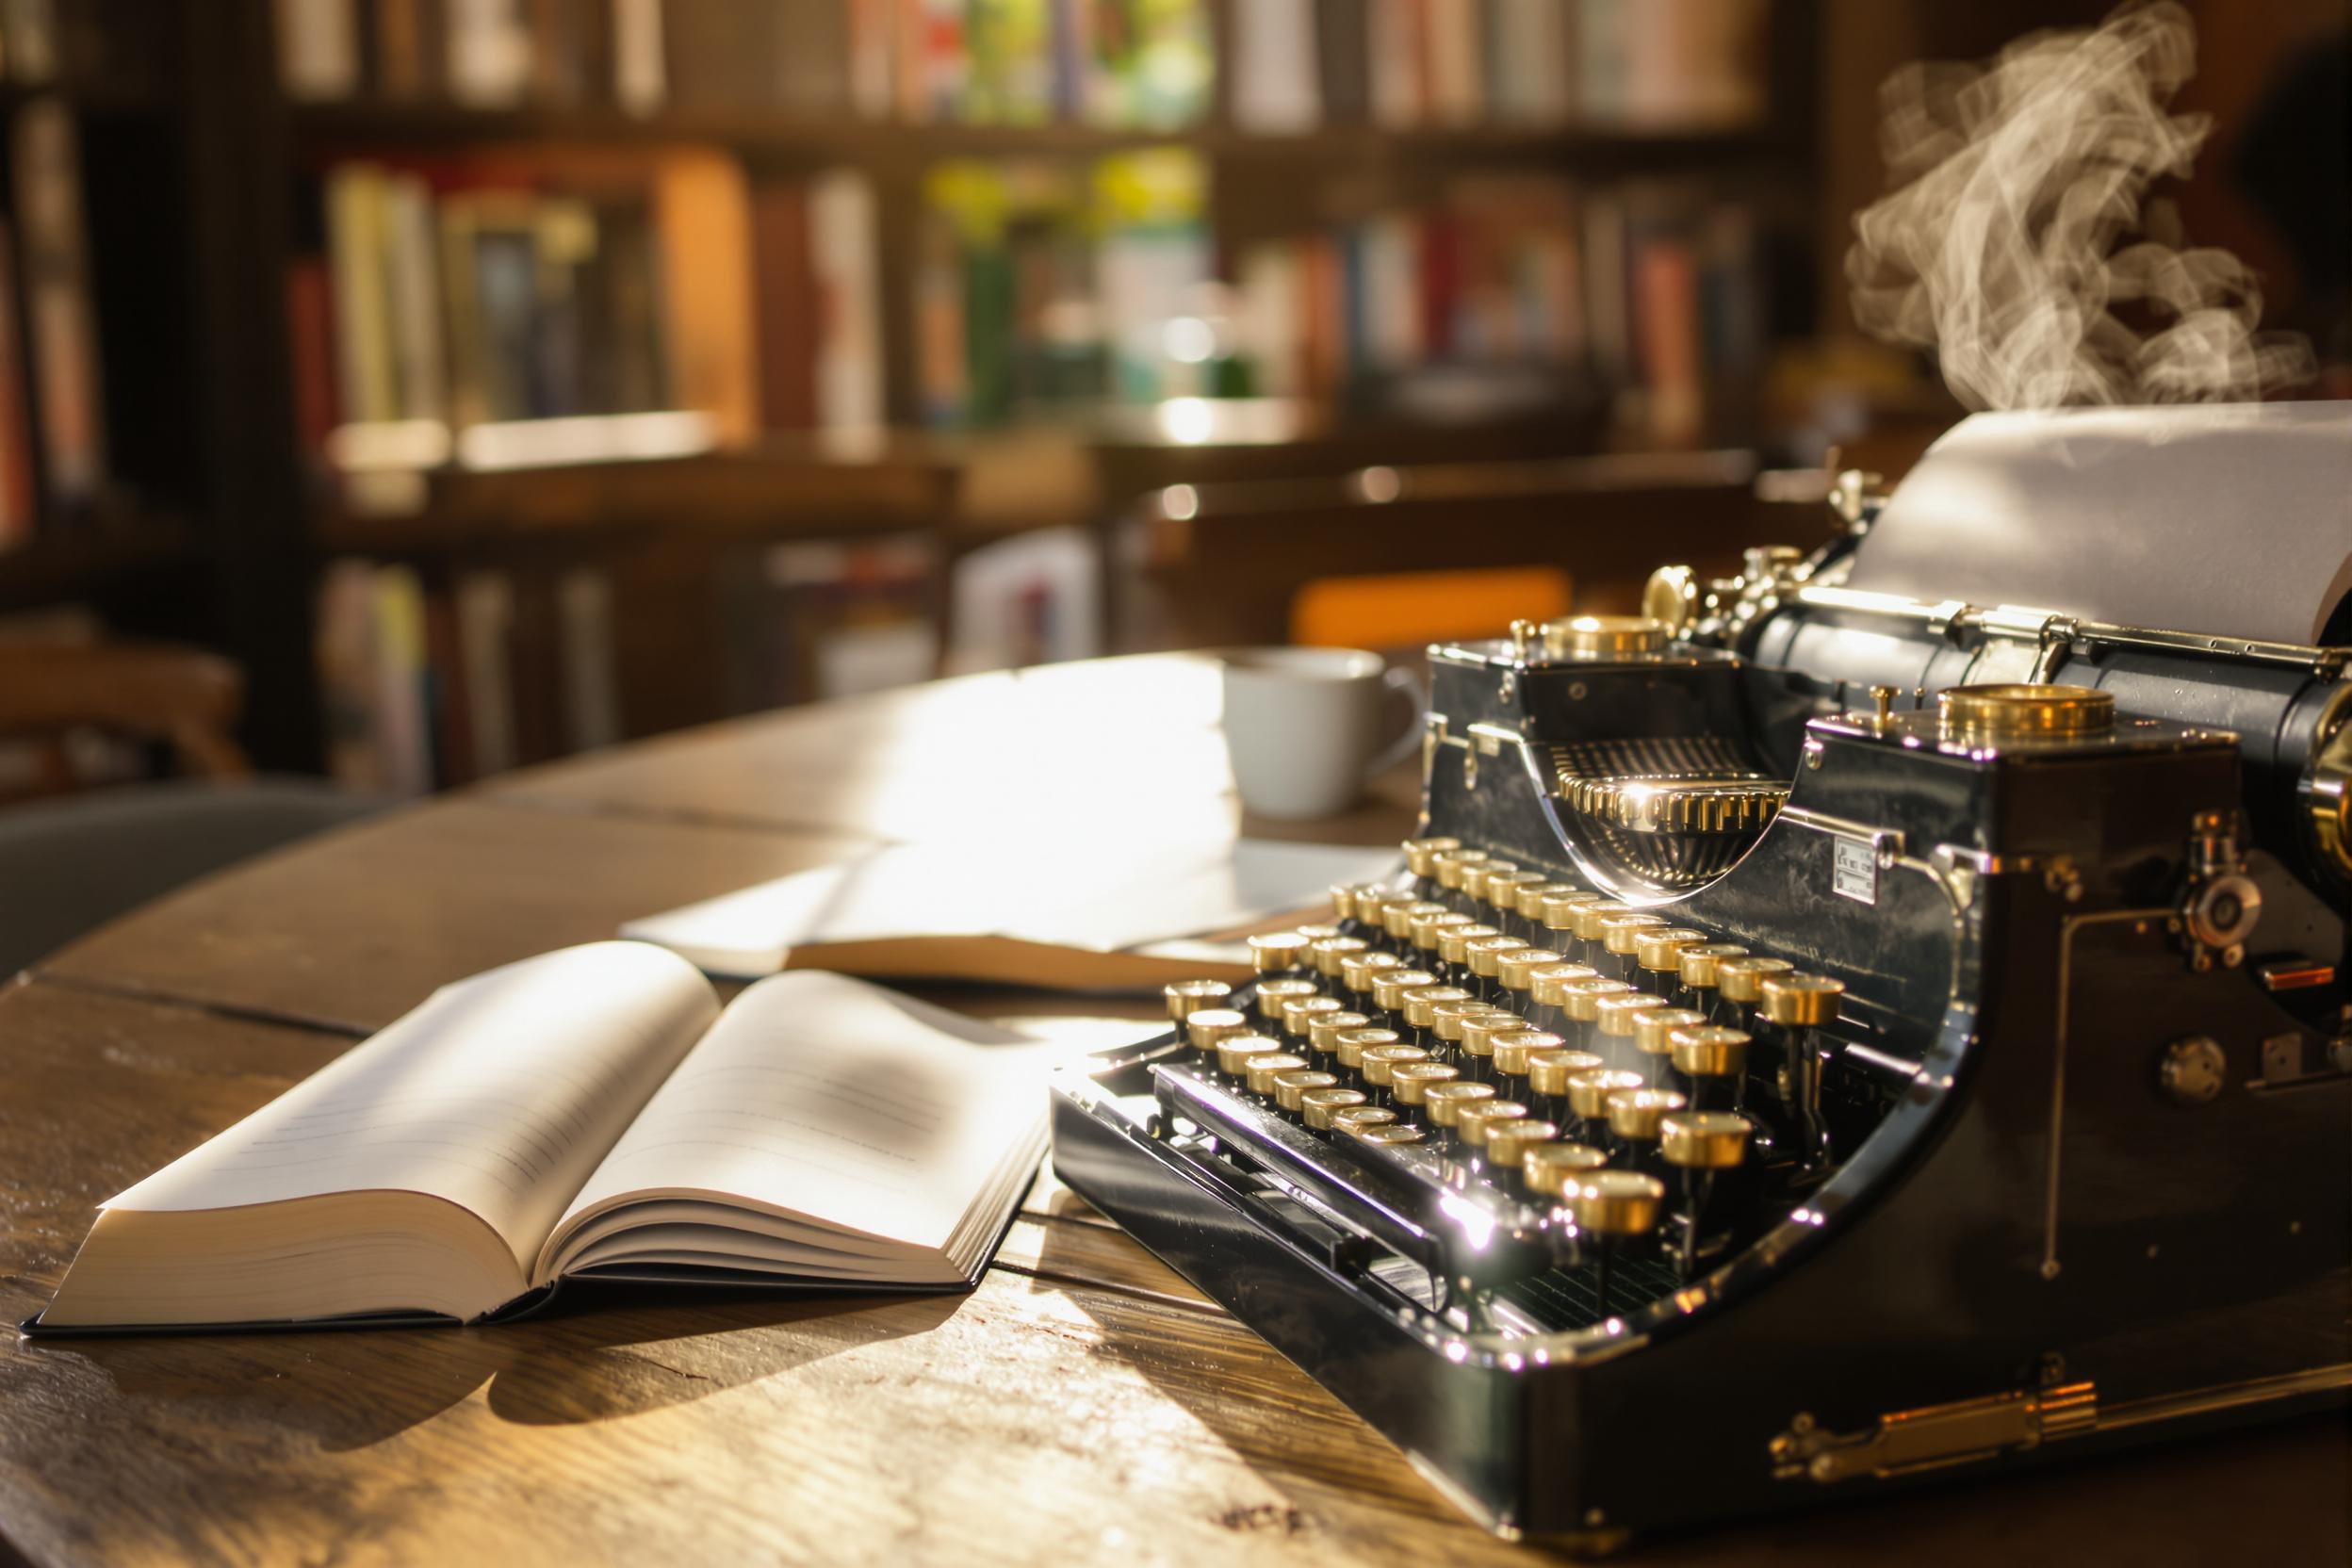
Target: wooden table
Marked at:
1084, 1404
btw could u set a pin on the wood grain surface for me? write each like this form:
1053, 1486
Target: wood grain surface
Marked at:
1085, 1404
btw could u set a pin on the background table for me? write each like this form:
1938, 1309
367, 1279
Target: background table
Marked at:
1084, 1403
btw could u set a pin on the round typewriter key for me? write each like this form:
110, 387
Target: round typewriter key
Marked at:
1592, 919
1421, 1002
1453, 941
1708, 1053
1508, 1142
1615, 1012
1378, 1061
1581, 1001
1392, 1136
1742, 980
1348, 1045
1634, 1115
1532, 895
1290, 1087
1408, 1083
1187, 997
1561, 909
1506, 890
1478, 1032
1421, 854
1277, 952
1654, 1028
1609, 1207
1802, 1001
1471, 880
1235, 1050
1314, 934
1324, 1029
1343, 896
1551, 982
1389, 986
1658, 950
1331, 952
1548, 1168
1371, 900
1704, 1140
1473, 1122
1209, 1026
1427, 932
1273, 993
1397, 918
1317, 1106
1357, 969
1512, 1048
1362, 1115
1448, 1020
1623, 935
1548, 1071
1517, 967
1298, 1010
1259, 1072
1589, 1091
1446, 1102
1698, 962
1452, 863
1484, 953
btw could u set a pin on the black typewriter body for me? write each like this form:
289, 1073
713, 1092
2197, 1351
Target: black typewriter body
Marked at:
2058, 1165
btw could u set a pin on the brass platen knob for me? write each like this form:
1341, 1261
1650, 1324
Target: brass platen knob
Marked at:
1704, 1140
1550, 1070
1379, 1061
1453, 941
1446, 1102
1742, 979
1187, 997
1654, 1028
1317, 1106
1357, 969
1259, 1072
1615, 1013
1582, 999
1560, 911
1508, 1142
1235, 1050
1603, 636
1709, 1053
1410, 1082
1550, 982
1421, 854
1697, 964
1622, 935
1474, 1119
1291, 1088
1273, 995
1634, 1115
1553, 1169
1802, 1001
1658, 950
1592, 919
1298, 1010
1348, 1045
1974, 715
1362, 1117
1324, 1029
1390, 1136
1449, 866
1208, 1025
1421, 1002
1513, 1047
1671, 598
1479, 1030
1616, 1202
1275, 952
1389, 986
1332, 952
1516, 969
1589, 1091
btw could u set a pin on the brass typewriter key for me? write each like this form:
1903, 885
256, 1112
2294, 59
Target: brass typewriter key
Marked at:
1654, 1035
1317, 1107
1516, 969
1695, 970
1471, 882
1395, 1135
1613, 1016
1634, 1115
1209, 1026
1452, 863
1592, 927
1612, 1206
1315, 933
1548, 1071
1442, 1105
1699, 1144
1560, 911
1348, 1046
1356, 1117
1532, 895
1484, 955
1274, 994
1580, 1004
1259, 1072
1342, 897
1448, 1020
1453, 946
1297, 1010
1389, 986
1798, 1005
1433, 929
1588, 1093
1409, 1085
1622, 935
1187, 997
1420, 1005
1397, 918
1235, 1050
1324, 1029
1290, 1089
1372, 901
1421, 854
1658, 952
1705, 1054
1475, 1121
1740, 983
1329, 952
1512, 1048
1277, 952
1477, 1045
1379, 1061
1356, 972
1551, 1168
1508, 1142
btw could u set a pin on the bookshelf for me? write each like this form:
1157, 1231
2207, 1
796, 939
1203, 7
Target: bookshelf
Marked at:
223, 521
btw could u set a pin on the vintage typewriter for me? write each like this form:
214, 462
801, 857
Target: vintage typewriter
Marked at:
1835, 1029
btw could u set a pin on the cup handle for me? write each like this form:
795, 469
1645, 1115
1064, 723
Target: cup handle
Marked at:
1408, 685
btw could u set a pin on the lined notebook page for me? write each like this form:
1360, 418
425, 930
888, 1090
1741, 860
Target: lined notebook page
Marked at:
819, 1095
499, 1094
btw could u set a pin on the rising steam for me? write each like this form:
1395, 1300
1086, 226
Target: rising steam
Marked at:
2019, 231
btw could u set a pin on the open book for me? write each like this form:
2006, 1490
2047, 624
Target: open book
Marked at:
589, 1112
1110, 916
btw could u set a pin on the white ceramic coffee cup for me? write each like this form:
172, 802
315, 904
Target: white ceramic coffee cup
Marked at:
1303, 725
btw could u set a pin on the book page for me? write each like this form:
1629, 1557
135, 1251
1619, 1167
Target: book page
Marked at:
822, 1098
499, 1094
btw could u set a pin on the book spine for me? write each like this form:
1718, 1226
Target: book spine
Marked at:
55, 260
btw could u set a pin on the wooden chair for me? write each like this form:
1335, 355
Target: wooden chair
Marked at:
180, 698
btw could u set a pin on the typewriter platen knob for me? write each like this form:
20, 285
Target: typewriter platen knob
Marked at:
1277, 952
1187, 997
1800, 1000
1671, 598
1208, 1025
1603, 636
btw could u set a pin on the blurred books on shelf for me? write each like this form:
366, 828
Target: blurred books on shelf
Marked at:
813, 619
